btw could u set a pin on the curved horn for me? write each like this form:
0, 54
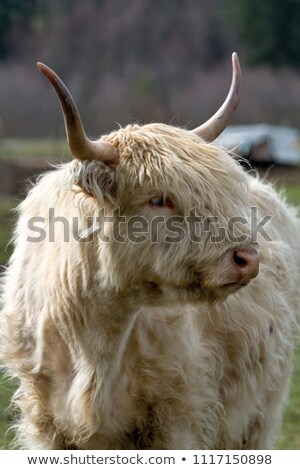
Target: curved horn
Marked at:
80, 145
212, 128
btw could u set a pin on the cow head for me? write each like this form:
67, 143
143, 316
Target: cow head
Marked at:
179, 204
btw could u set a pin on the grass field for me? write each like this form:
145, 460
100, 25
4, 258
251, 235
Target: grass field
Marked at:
33, 148
290, 435
6, 221
293, 194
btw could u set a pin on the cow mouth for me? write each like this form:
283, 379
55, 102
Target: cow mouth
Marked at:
236, 284
196, 291
231, 287
215, 293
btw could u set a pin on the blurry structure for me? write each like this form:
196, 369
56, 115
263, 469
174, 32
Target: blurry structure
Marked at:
263, 143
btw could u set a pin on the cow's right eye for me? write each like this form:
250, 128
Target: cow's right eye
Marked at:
161, 202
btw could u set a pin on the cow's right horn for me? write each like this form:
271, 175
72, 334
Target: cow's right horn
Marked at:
80, 145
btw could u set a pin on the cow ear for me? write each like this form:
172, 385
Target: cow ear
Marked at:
95, 178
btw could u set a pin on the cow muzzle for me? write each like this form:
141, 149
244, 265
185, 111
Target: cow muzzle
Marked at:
243, 264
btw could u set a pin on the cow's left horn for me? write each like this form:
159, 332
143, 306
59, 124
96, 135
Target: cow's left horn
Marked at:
80, 145
212, 128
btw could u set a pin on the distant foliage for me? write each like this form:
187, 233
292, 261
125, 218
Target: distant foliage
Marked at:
116, 32
14, 14
268, 29
147, 60
129, 31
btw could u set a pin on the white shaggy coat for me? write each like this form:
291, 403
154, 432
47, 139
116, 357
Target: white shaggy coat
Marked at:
112, 347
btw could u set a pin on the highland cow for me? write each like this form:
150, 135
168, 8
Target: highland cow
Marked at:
163, 321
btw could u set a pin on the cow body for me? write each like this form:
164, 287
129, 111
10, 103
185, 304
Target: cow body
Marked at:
106, 363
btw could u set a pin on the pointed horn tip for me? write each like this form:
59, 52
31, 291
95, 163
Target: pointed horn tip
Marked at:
235, 61
45, 70
41, 67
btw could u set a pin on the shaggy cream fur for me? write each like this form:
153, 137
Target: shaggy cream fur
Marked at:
138, 345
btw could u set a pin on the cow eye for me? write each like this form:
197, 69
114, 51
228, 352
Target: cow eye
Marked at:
161, 202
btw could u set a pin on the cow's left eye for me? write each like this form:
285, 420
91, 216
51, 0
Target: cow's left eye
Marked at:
161, 202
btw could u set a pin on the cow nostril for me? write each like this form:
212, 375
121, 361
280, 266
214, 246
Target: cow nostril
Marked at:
239, 260
244, 264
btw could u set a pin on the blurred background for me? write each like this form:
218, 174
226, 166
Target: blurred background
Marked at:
148, 60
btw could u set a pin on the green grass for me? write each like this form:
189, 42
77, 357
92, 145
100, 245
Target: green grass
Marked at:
290, 434
7, 388
33, 148
293, 194
6, 223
